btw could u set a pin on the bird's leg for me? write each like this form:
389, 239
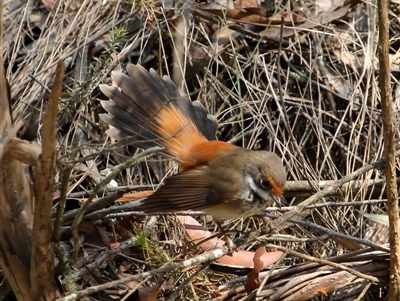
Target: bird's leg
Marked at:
228, 241
268, 225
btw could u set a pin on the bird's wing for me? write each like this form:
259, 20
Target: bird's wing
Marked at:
187, 190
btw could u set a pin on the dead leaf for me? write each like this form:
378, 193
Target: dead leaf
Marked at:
243, 4
240, 258
258, 16
273, 32
239, 15
49, 3
377, 218
253, 282
149, 293
346, 243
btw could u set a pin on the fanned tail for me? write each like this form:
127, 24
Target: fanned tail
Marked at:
147, 110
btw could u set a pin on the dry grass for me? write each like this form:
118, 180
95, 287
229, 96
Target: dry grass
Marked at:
313, 99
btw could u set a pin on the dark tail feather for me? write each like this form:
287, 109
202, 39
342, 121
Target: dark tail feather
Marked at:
144, 105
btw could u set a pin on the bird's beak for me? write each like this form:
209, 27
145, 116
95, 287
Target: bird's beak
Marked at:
277, 200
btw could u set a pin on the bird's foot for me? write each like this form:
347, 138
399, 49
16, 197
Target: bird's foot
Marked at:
268, 227
230, 244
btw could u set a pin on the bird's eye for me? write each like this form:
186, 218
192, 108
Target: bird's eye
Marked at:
265, 184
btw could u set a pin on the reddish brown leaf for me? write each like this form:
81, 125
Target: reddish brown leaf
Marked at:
241, 258
258, 16
242, 4
252, 278
239, 15
346, 243
149, 294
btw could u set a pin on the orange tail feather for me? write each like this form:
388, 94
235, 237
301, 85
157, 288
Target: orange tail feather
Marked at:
148, 110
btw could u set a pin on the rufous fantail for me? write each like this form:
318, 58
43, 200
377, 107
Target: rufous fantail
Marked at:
219, 178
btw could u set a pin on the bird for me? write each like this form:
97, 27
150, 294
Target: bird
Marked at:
221, 179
